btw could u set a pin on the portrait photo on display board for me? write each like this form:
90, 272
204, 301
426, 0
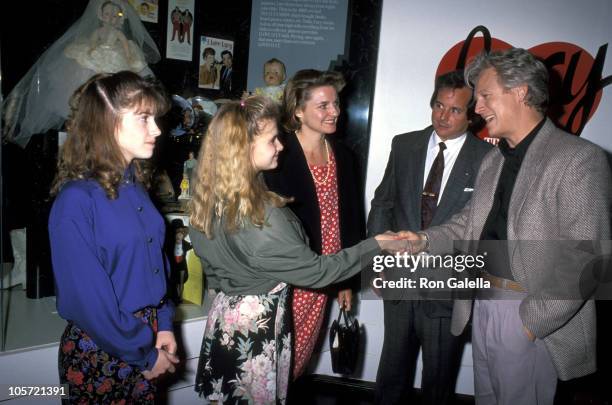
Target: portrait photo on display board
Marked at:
147, 9
211, 61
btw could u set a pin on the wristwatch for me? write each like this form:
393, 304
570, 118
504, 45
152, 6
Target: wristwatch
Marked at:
424, 238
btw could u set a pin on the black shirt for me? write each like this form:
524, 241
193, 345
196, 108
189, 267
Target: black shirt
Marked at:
495, 229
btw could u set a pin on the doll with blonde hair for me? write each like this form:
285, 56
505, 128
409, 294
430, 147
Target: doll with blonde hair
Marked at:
274, 75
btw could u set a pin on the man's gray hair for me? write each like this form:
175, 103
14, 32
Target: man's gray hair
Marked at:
514, 67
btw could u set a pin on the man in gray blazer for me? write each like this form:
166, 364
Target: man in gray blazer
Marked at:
546, 195
397, 204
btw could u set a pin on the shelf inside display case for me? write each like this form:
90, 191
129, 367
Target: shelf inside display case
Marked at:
31, 323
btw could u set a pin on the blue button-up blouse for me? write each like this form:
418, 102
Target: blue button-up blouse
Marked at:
108, 262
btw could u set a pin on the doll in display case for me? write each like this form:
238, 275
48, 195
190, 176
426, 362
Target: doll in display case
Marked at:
107, 38
108, 49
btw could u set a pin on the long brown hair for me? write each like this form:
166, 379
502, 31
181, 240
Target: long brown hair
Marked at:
227, 185
91, 150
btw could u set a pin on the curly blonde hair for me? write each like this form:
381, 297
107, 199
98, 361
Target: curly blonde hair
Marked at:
91, 150
227, 185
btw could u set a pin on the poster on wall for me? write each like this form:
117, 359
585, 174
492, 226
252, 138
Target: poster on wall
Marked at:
147, 9
307, 34
212, 62
179, 33
575, 75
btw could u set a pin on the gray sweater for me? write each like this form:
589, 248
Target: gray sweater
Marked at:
254, 260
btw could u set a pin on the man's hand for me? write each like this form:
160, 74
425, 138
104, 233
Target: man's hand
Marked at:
416, 241
391, 242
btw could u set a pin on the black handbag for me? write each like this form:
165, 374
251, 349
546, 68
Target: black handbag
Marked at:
344, 344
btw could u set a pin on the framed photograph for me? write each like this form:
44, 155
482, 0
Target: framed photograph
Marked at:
147, 9
213, 62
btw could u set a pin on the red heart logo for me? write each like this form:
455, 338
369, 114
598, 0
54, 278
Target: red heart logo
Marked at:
575, 82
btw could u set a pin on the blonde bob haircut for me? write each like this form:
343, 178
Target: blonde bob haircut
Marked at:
227, 187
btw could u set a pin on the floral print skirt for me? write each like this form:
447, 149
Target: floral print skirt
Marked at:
246, 350
96, 377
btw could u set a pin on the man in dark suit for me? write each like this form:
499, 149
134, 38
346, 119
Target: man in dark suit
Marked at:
429, 177
225, 81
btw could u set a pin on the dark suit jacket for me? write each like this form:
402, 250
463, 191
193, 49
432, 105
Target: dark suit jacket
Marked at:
397, 201
226, 82
292, 178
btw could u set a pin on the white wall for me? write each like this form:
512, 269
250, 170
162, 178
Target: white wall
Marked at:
38, 366
414, 37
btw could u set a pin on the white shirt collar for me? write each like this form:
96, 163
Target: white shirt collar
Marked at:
451, 144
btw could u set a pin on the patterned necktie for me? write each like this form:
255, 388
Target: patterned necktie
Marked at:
431, 191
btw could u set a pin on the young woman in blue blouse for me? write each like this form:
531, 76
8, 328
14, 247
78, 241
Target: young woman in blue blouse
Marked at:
107, 245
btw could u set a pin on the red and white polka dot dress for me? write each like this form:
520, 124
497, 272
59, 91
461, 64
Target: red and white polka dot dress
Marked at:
309, 305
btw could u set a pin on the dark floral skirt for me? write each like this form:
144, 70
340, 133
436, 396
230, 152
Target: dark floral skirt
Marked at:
246, 351
96, 377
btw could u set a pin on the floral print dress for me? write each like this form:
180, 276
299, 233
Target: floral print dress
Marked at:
246, 350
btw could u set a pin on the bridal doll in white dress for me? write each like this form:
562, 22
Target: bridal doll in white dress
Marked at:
109, 37
108, 49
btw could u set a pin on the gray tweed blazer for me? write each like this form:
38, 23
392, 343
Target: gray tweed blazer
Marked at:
563, 192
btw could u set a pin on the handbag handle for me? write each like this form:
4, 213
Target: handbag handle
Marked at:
346, 319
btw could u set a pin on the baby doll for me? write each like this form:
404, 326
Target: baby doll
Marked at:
274, 76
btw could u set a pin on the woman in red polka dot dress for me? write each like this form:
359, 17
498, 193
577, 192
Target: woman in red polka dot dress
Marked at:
320, 174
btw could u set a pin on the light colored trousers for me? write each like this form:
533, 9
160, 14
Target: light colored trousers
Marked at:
508, 367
